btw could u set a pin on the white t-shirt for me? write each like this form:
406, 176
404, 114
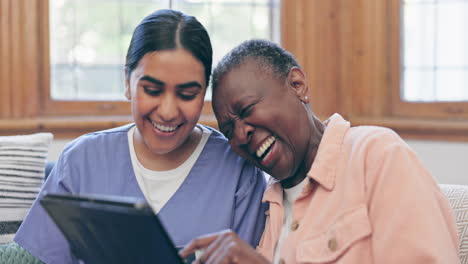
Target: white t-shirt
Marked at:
289, 196
159, 186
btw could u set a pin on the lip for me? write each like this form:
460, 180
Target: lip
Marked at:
268, 162
163, 133
253, 150
271, 156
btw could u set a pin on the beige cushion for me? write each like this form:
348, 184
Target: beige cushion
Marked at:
458, 199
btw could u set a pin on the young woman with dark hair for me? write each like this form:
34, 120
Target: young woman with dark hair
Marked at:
186, 171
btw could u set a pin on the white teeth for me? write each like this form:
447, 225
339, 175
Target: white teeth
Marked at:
164, 128
266, 144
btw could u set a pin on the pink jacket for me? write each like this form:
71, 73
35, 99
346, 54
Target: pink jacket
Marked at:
369, 199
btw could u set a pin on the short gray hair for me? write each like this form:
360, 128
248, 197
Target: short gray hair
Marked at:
269, 55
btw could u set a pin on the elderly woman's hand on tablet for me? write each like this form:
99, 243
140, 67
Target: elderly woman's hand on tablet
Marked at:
223, 247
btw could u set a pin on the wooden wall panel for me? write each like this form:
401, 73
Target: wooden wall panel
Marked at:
322, 58
376, 65
364, 60
31, 60
310, 31
44, 56
292, 28
343, 47
19, 49
5, 60
353, 55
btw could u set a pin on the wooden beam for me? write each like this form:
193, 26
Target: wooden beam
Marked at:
5, 59
30, 29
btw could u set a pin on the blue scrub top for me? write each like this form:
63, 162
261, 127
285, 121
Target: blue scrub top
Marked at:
222, 191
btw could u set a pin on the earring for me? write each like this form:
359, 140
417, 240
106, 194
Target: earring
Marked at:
306, 99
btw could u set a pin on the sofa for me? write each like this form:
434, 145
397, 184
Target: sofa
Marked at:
457, 196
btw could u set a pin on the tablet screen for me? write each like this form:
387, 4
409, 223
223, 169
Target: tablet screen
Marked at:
109, 229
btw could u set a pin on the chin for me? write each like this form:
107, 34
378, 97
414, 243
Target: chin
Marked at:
280, 175
161, 150
276, 176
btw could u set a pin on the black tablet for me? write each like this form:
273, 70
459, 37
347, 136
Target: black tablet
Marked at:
111, 229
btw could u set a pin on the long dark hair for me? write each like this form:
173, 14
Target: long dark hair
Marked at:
169, 29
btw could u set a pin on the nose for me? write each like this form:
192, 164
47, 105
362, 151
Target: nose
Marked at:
243, 133
168, 109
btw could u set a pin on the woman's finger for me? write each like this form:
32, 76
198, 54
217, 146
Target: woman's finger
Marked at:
219, 253
198, 243
217, 246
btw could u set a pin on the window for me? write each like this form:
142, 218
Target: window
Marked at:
89, 39
430, 54
65, 57
435, 37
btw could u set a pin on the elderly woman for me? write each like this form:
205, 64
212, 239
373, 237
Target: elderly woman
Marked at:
340, 194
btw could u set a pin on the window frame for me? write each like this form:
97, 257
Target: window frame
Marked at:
434, 110
350, 51
51, 107
26, 106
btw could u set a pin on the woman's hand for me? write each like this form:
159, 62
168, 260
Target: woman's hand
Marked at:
223, 247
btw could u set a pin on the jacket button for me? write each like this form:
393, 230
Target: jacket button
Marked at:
294, 226
282, 261
332, 244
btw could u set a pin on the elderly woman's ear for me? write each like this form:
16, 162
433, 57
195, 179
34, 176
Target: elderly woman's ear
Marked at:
298, 82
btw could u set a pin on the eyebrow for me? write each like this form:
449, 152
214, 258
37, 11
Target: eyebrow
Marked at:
152, 80
179, 86
189, 85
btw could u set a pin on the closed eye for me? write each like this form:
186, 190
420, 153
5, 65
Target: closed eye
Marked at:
152, 90
187, 95
188, 91
151, 86
246, 111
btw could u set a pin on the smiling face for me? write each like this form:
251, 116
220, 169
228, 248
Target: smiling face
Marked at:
265, 118
167, 91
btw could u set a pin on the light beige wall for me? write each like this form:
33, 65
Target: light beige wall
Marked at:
56, 148
447, 161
